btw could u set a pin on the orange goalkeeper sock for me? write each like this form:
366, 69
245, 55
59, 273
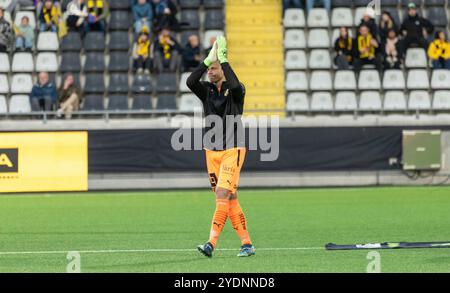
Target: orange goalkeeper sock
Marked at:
219, 220
239, 221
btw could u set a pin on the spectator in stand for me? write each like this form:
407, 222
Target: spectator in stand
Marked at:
310, 4
69, 97
439, 51
366, 50
142, 51
98, 11
43, 95
24, 35
387, 23
166, 52
212, 40
293, 4
165, 11
369, 21
415, 29
142, 15
392, 51
344, 49
49, 17
76, 14
6, 35
191, 53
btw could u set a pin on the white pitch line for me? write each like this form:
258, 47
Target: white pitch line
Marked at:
148, 250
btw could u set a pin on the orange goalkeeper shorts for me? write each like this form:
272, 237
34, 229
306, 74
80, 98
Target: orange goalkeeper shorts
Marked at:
224, 167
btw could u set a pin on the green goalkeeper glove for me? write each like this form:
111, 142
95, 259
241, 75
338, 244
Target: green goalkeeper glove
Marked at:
212, 56
222, 49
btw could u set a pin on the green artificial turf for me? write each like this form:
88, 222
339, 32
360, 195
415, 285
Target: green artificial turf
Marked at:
277, 219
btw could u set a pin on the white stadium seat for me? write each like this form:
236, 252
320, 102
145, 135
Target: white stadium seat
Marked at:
190, 103
295, 59
440, 79
418, 79
4, 63
294, 18
21, 84
296, 81
208, 35
416, 58
183, 86
7, 16
20, 14
369, 80
319, 59
393, 80
344, 80
321, 81
19, 104
4, 84
46, 62
341, 17
294, 39
47, 41
318, 38
346, 101
359, 13
394, 101
22, 62
297, 102
318, 17
3, 106
322, 101
441, 100
370, 101
419, 100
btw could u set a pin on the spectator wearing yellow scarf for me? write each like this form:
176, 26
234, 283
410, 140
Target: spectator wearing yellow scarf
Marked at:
439, 51
49, 17
366, 50
166, 52
141, 52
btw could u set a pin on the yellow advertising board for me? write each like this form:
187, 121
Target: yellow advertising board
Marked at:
43, 161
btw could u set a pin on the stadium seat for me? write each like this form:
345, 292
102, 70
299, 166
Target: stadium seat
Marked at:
70, 62
208, 35
93, 103
318, 17
95, 83
189, 19
119, 4
185, 36
118, 102
319, 59
318, 38
294, 39
142, 102
7, 15
95, 62
4, 62
294, 18
183, 86
94, 41
120, 20
441, 100
119, 41
166, 83
418, 79
142, 84
46, 61
3, 106
440, 79
345, 101
342, 17
359, 13
166, 102
295, 59
436, 3
390, 3
321, 81
297, 102
369, 80
71, 42
345, 80
342, 3
370, 101
22, 62
19, 104
29, 14
118, 83
416, 58
208, 4
419, 100
394, 101
21, 83
4, 84
393, 80
47, 41
119, 61
189, 3
438, 16
190, 103
296, 81
214, 19
321, 101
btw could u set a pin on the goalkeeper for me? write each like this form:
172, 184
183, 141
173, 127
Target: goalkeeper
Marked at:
223, 96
